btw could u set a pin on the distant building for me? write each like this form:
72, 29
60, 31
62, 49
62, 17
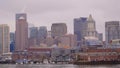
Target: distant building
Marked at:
60, 54
12, 42
100, 54
33, 32
91, 27
100, 36
21, 33
93, 43
30, 25
21, 16
4, 39
33, 54
85, 28
58, 29
67, 41
42, 34
112, 31
49, 41
12, 37
12, 46
33, 36
80, 25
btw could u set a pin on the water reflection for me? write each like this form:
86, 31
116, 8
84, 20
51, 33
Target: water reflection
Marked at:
58, 66
47, 66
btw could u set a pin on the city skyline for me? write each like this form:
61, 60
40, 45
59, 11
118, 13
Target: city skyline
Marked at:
45, 12
59, 32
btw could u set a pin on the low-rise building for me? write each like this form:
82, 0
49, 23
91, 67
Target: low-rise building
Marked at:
102, 54
32, 54
67, 41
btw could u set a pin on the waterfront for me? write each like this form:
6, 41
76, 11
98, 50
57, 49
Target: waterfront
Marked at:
57, 66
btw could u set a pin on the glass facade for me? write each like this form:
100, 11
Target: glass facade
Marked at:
112, 31
80, 27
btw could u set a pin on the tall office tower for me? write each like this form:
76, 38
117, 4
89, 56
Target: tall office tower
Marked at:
21, 33
80, 25
33, 36
4, 39
12, 37
33, 32
58, 29
12, 41
42, 34
112, 31
91, 28
29, 27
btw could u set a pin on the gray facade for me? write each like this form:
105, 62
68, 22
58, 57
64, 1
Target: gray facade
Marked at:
100, 36
112, 31
58, 29
33, 32
33, 36
42, 32
12, 37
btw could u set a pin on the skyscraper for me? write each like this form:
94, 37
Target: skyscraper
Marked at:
33, 36
12, 41
29, 28
33, 32
4, 39
80, 25
112, 31
12, 37
91, 28
42, 34
21, 33
58, 29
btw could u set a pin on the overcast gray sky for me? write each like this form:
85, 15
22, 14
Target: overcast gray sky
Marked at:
46, 12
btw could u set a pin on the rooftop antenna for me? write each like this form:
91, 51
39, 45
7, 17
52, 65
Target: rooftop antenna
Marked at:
23, 9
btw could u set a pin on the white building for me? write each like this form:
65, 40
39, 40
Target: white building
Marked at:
91, 27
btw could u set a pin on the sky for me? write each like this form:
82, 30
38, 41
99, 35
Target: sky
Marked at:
46, 12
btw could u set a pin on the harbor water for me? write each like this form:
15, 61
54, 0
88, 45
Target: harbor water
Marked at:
56, 66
